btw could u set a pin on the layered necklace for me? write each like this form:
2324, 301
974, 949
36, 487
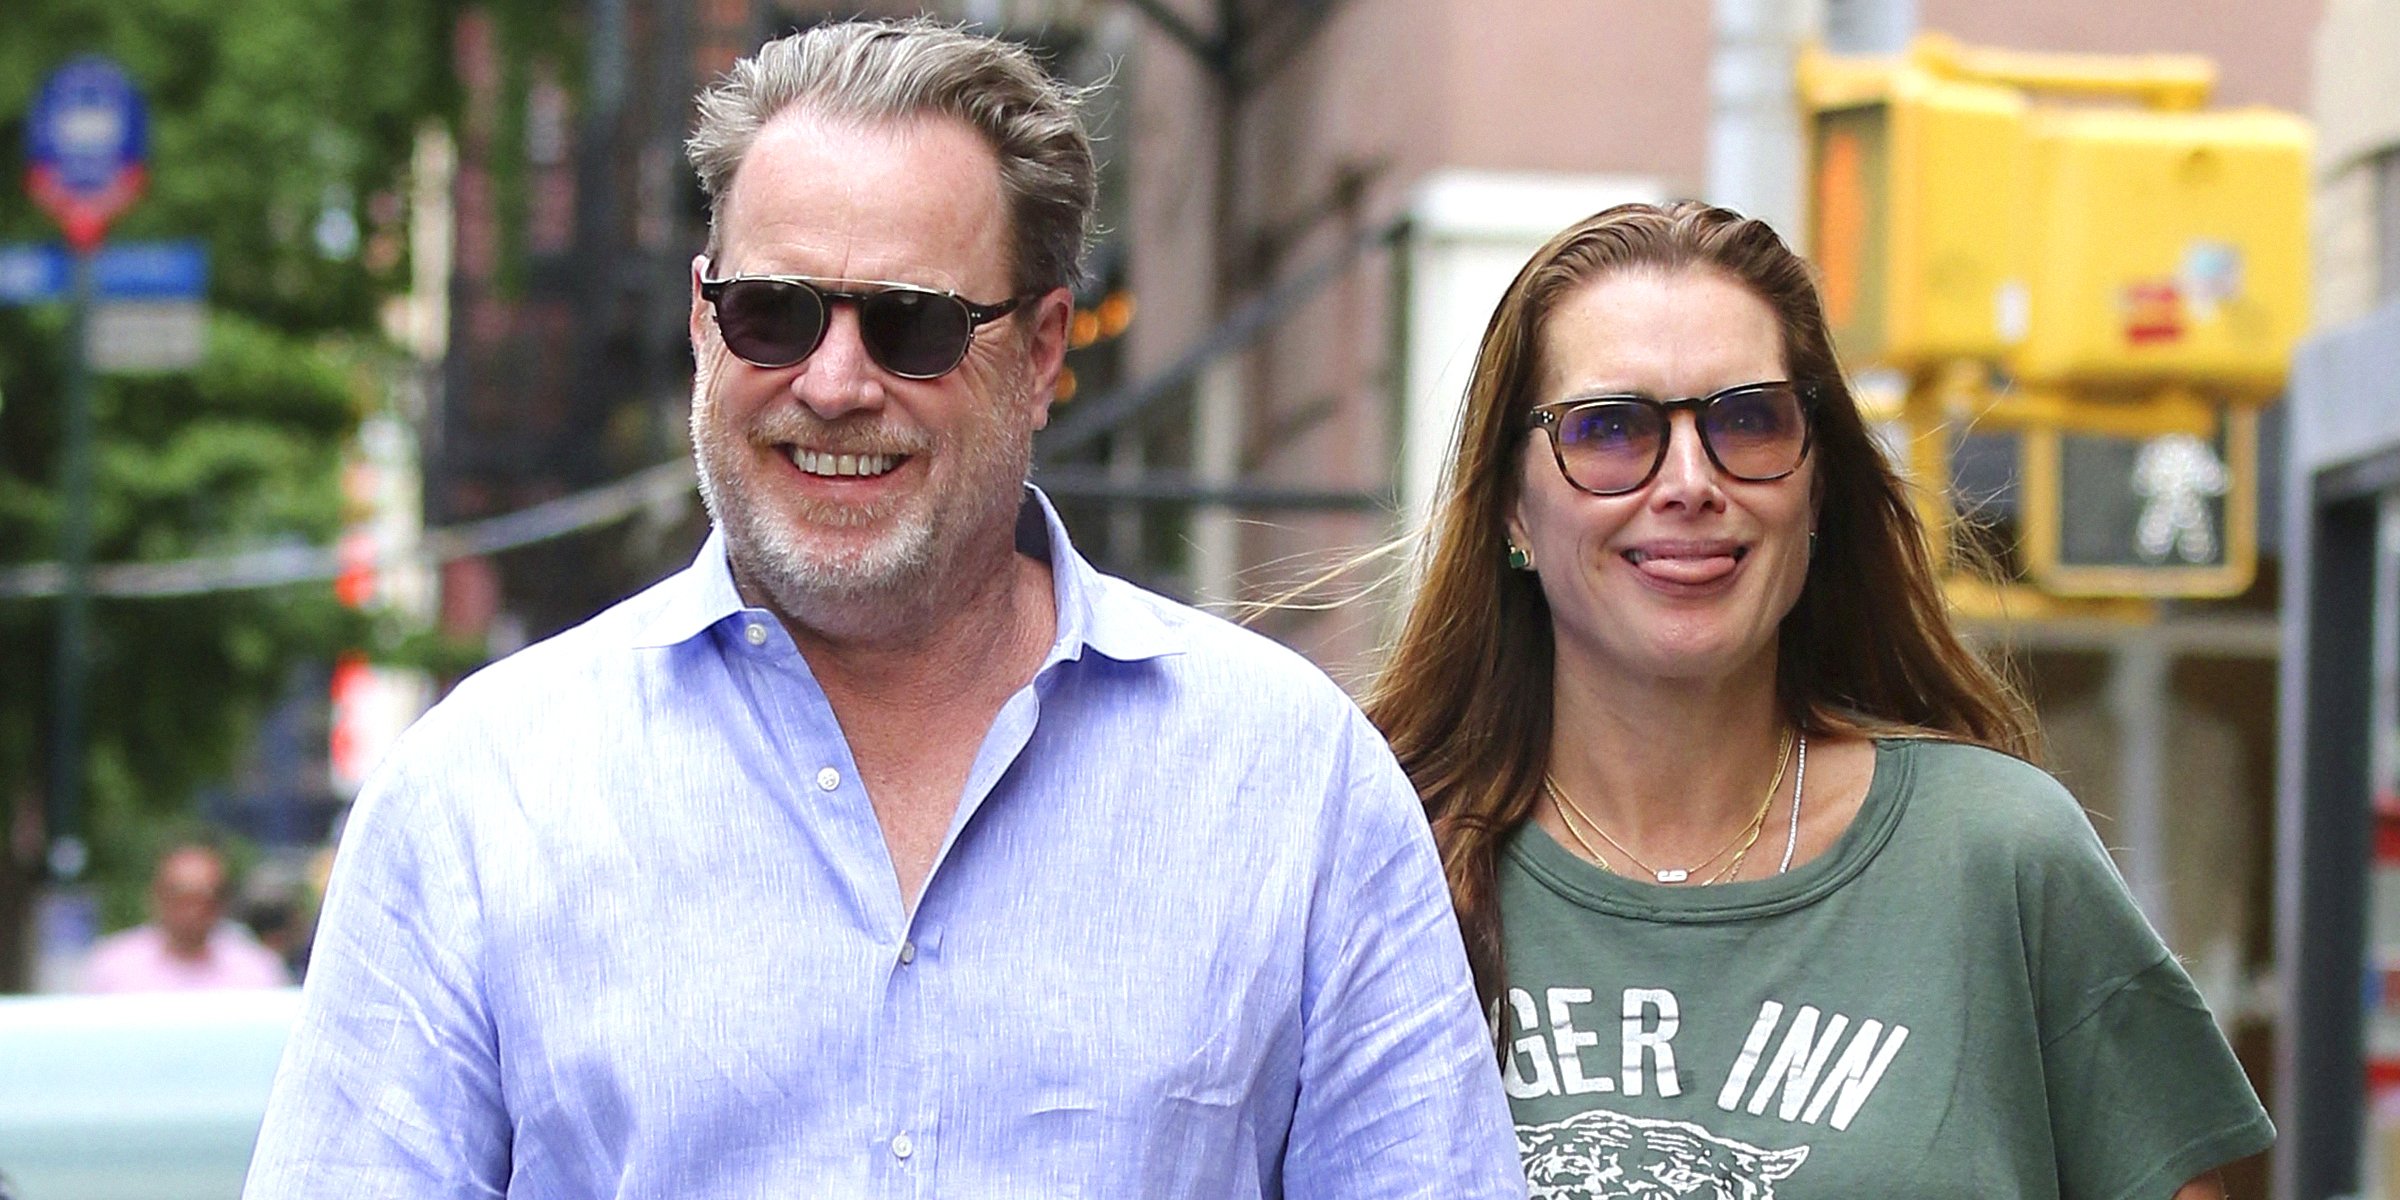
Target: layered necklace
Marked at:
1569, 813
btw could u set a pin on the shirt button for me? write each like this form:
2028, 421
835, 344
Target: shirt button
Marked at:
757, 635
902, 1147
829, 779
908, 953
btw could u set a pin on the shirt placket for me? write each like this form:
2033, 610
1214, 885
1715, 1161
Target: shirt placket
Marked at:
908, 1069
900, 1130
924, 1001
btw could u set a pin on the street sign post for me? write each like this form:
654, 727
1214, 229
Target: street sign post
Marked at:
87, 137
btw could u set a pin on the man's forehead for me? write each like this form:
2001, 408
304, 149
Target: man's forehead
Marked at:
868, 198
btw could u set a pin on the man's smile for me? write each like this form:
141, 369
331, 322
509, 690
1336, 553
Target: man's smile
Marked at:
826, 464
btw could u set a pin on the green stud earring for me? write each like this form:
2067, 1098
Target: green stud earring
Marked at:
1518, 560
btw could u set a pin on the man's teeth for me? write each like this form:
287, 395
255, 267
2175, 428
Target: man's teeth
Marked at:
816, 463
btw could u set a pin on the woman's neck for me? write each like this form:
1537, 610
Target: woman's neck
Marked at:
1670, 768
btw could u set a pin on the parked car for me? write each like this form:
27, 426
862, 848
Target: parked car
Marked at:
136, 1097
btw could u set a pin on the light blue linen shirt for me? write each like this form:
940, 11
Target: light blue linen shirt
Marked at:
616, 919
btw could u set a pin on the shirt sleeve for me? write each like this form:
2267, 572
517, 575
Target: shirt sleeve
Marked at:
2145, 1095
1399, 1092
2144, 1092
390, 1084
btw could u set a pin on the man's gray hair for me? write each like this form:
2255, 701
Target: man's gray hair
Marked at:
885, 70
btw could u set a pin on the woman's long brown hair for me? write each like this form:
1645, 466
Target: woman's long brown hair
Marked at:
1465, 696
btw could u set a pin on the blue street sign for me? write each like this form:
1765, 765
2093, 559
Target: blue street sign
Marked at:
176, 270
34, 273
87, 127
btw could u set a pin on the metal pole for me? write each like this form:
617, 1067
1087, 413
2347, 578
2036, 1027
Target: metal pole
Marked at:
2138, 692
1218, 412
67, 850
2325, 819
1754, 131
1869, 26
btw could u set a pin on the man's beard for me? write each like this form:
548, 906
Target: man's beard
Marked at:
802, 554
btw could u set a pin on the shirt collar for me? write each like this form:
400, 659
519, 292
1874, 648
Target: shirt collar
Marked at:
685, 604
1106, 615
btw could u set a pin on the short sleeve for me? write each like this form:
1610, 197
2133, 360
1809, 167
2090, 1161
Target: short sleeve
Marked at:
2145, 1095
1399, 1095
390, 1084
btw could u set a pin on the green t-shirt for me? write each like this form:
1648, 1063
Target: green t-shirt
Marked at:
1958, 999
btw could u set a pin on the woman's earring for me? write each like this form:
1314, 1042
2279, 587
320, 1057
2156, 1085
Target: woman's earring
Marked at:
1812, 545
1518, 560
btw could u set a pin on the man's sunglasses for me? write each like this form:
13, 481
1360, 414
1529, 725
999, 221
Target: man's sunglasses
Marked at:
912, 332
1611, 445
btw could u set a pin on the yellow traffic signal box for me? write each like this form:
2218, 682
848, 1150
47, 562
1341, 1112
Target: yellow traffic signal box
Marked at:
2168, 247
1958, 212
1917, 214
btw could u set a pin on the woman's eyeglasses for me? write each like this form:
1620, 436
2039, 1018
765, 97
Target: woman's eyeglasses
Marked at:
1611, 445
913, 332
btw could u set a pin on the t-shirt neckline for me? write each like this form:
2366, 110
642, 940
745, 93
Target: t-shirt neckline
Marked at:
1588, 885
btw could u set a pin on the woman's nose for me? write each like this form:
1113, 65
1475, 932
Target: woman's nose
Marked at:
1687, 475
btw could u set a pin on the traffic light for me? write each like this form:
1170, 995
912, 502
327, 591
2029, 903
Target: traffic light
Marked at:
1957, 214
2120, 284
1917, 212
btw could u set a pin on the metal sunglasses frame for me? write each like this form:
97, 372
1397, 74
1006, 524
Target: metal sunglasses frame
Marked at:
1550, 417
858, 292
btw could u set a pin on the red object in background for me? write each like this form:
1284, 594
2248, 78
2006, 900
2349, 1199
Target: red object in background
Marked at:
2383, 1074
2387, 829
351, 679
354, 583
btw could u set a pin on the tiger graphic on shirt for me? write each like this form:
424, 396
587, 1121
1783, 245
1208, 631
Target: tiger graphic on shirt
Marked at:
1602, 1155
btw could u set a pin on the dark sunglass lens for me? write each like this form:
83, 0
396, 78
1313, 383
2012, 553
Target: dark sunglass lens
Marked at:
1610, 446
770, 323
915, 334
1757, 433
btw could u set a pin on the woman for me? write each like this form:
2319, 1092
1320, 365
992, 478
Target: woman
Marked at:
1755, 879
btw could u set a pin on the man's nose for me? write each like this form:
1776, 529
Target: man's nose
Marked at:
839, 378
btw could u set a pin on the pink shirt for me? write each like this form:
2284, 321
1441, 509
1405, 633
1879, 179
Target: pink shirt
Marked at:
138, 960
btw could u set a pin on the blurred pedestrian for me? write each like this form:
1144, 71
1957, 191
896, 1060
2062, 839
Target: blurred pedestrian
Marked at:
187, 943
1724, 798
889, 849
279, 908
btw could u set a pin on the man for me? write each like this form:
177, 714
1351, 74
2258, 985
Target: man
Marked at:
889, 850
188, 943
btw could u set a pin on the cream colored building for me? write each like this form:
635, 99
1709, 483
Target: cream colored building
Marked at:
2355, 100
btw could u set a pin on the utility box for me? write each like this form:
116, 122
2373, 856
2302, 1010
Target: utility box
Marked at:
2168, 247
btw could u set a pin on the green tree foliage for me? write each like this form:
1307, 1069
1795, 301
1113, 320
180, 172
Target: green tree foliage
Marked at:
280, 134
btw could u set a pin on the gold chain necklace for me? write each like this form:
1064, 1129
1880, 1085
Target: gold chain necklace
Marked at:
1588, 848
1743, 838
